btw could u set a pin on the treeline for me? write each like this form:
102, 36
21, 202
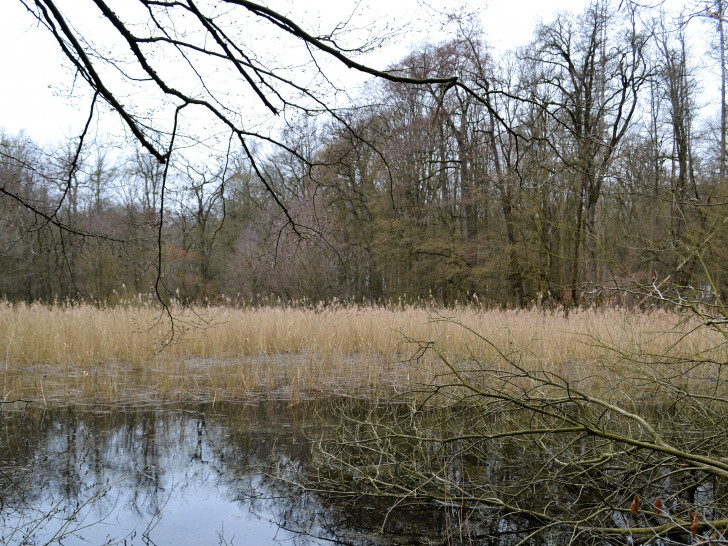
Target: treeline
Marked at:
569, 171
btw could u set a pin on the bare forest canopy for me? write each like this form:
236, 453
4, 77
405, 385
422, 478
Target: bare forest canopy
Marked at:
576, 168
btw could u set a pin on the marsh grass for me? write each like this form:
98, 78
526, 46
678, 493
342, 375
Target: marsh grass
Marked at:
85, 354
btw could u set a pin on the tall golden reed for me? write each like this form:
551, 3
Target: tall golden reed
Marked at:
83, 353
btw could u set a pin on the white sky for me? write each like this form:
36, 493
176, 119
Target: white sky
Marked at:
33, 76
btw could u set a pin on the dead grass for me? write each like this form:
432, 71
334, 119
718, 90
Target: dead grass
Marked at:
82, 353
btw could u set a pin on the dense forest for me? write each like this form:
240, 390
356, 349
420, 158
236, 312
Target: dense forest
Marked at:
576, 169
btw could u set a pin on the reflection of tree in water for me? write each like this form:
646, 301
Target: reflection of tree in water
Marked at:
342, 472
77, 458
136, 461
254, 455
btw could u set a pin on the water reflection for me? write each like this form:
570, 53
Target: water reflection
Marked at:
178, 475
222, 474
229, 474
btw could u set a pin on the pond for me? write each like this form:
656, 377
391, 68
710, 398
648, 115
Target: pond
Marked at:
205, 474
319, 472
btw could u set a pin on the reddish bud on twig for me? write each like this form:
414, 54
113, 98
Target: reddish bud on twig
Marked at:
635, 506
695, 518
659, 507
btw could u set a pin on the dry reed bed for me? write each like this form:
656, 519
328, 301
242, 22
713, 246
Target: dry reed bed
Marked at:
85, 353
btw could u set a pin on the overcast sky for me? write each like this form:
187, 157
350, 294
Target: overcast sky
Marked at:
33, 77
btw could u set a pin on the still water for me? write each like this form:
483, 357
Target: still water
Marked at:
231, 473
166, 475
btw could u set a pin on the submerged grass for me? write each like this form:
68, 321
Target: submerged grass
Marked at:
83, 353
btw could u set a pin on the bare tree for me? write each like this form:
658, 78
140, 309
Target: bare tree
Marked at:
596, 66
168, 69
